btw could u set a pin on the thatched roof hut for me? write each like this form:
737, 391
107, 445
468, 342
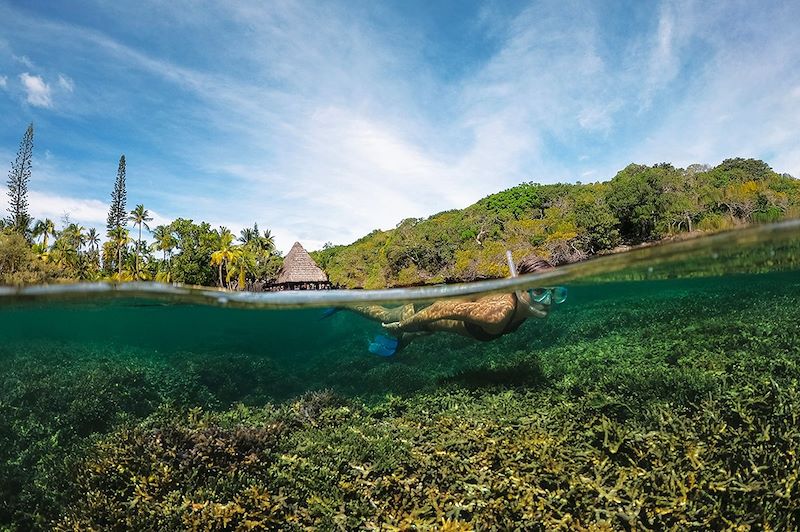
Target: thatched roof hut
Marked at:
300, 272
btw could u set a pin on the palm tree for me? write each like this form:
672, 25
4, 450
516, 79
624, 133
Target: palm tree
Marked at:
140, 216
93, 239
44, 228
120, 237
248, 236
225, 251
242, 263
64, 254
38, 229
164, 240
74, 234
268, 241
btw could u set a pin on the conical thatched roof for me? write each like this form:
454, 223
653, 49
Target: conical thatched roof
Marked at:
299, 267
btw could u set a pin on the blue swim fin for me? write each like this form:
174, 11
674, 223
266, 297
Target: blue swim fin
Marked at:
384, 346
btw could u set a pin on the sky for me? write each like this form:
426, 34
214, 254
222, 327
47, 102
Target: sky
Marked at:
323, 121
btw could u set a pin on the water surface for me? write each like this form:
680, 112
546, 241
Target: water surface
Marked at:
93, 375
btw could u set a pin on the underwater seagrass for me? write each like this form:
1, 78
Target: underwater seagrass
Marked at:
651, 404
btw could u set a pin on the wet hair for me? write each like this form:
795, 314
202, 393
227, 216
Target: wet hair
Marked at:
533, 263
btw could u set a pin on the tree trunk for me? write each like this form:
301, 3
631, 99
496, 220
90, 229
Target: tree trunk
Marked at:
220, 274
138, 248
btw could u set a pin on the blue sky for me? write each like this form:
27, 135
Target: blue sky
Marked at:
325, 120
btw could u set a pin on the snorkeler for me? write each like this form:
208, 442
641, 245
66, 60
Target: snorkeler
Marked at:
485, 318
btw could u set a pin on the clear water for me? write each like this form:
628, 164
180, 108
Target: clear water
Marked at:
663, 324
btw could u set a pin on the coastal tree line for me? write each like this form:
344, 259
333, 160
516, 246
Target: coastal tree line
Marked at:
562, 222
36, 251
565, 222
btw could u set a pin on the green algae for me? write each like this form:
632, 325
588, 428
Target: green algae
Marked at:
639, 405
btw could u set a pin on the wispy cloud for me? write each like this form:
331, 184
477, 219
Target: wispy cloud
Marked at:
3, 82
66, 83
24, 61
37, 92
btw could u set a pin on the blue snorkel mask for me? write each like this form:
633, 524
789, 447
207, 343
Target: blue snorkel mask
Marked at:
552, 295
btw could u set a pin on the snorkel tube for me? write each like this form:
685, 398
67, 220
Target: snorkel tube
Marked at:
555, 295
512, 269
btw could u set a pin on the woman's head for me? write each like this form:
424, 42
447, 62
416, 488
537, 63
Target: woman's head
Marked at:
532, 264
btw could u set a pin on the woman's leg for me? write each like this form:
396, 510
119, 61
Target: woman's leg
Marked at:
489, 312
384, 314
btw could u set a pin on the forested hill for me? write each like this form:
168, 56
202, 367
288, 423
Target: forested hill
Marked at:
564, 222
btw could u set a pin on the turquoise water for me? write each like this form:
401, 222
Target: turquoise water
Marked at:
674, 325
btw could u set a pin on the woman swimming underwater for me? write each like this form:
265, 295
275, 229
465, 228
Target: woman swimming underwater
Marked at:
484, 318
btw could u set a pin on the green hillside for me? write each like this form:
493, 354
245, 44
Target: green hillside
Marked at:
564, 222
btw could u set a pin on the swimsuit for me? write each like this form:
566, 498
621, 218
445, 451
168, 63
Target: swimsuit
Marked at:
480, 334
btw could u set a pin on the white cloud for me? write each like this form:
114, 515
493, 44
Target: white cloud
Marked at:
88, 212
36, 90
66, 83
3, 82
53, 206
23, 60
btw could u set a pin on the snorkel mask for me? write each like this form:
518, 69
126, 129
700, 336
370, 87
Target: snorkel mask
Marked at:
552, 295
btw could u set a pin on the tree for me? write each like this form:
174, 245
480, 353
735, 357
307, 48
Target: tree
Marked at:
267, 240
595, 220
117, 213
64, 254
93, 239
195, 243
19, 264
225, 252
637, 196
140, 216
44, 228
120, 238
73, 233
18, 218
164, 240
249, 237
243, 262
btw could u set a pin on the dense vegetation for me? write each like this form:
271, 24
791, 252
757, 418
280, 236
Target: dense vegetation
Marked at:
565, 222
642, 406
37, 252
